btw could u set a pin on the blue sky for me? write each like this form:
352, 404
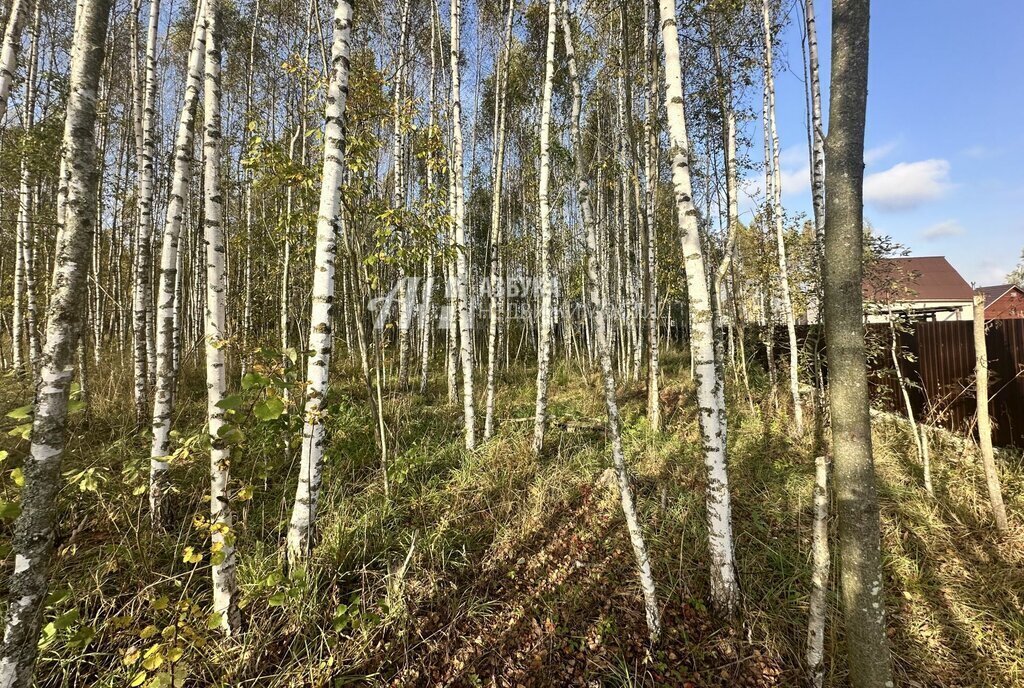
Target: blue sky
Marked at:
944, 128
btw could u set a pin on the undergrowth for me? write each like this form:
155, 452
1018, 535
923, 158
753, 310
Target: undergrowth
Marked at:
443, 567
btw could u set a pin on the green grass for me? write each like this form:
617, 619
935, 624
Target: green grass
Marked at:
519, 570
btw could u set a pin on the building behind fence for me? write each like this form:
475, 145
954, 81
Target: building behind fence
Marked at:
937, 361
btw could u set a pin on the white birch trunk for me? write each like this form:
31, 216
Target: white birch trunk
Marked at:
225, 590
819, 576
600, 331
35, 530
787, 301
458, 205
307, 493
544, 249
817, 131
428, 287
650, 198
707, 372
400, 197
497, 294
9, 51
166, 323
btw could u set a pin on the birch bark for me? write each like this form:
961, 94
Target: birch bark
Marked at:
167, 322
787, 300
707, 371
10, 49
458, 205
496, 291
35, 534
544, 247
142, 287
307, 493
225, 589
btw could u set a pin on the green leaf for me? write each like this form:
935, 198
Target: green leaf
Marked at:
230, 403
250, 380
65, 621
74, 406
214, 620
277, 599
21, 412
18, 477
82, 637
9, 511
23, 431
270, 408
231, 434
3, 455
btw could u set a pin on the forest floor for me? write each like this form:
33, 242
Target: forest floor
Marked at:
494, 568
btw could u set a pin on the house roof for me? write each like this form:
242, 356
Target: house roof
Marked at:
927, 278
994, 293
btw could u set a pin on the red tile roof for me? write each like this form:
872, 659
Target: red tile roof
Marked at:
930, 278
994, 293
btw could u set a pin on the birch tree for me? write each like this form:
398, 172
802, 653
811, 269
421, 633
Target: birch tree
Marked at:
854, 474
500, 115
9, 52
544, 335
636, 537
706, 369
225, 589
304, 510
777, 217
35, 530
458, 209
142, 291
166, 326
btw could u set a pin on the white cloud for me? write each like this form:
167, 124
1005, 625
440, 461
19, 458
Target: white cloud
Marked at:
907, 185
878, 153
795, 181
942, 230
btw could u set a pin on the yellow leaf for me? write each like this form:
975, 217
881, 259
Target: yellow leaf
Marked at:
148, 632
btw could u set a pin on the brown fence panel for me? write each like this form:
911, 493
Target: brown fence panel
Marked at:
940, 370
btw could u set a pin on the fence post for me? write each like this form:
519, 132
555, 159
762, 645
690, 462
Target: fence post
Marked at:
995, 493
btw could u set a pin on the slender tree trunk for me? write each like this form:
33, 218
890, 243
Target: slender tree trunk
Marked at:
600, 330
167, 302
544, 249
399, 200
859, 529
428, 287
225, 590
650, 198
9, 51
35, 530
247, 322
988, 461
707, 370
142, 287
301, 529
817, 132
458, 205
787, 300
496, 289
819, 576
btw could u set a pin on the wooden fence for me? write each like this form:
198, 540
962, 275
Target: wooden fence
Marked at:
937, 360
